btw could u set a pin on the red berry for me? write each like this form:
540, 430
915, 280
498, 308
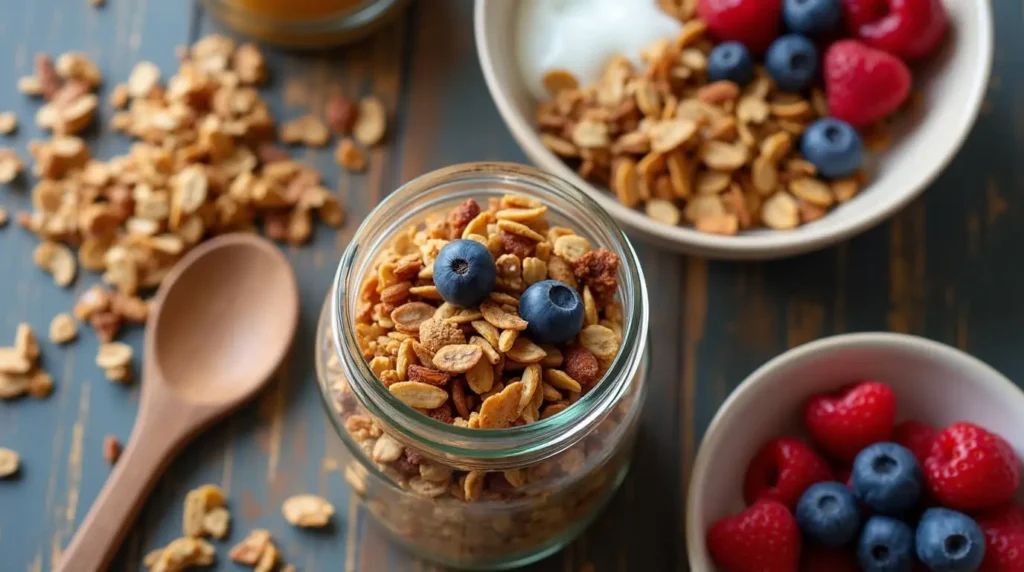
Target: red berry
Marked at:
863, 84
1004, 539
970, 468
916, 436
910, 29
856, 416
762, 538
754, 23
818, 559
782, 470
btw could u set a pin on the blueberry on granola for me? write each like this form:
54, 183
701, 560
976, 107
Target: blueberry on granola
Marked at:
731, 61
464, 273
833, 146
814, 18
553, 310
792, 61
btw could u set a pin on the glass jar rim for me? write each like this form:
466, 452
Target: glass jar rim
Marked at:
542, 438
355, 18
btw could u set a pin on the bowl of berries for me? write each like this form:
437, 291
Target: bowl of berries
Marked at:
875, 451
740, 129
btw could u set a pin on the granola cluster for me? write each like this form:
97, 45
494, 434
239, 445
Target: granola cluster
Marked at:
206, 516
476, 367
709, 154
20, 372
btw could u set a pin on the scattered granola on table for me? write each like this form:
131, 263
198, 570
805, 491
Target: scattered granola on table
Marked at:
307, 511
20, 373
687, 150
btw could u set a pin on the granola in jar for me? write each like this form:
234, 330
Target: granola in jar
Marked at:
477, 437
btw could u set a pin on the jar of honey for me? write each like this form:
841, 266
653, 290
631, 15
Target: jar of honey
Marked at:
305, 23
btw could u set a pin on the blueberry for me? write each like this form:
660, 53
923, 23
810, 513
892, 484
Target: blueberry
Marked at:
464, 273
827, 513
792, 61
886, 545
949, 541
814, 18
887, 478
833, 146
553, 310
731, 61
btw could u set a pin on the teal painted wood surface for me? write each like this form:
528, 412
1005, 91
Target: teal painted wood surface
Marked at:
946, 267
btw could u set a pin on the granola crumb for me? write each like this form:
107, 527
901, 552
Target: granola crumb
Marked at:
111, 449
307, 511
8, 122
63, 329
9, 463
350, 157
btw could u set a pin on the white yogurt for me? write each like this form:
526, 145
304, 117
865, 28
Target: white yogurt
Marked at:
582, 36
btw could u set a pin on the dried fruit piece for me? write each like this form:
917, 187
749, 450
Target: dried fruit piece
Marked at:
111, 449
307, 511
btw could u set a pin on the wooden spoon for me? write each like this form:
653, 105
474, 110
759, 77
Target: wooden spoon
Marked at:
221, 323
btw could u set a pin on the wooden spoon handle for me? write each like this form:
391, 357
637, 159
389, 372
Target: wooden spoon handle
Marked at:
149, 451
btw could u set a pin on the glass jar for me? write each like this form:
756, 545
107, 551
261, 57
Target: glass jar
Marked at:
305, 23
543, 482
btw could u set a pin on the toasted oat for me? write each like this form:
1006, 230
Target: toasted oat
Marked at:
180, 554
9, 463
349, 156
25, 342
10, 165
307, 511
371, 122
457, 358
501, 409
418, 394
216, 522
63, 329
8, 122
113, 354
13, 361
119, 374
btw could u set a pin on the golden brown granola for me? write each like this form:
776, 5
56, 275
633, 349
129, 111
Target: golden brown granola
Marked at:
686, 150
429, 352
307, 511
9, 463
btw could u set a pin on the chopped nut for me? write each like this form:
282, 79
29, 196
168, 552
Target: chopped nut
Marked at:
40, 384
341, 113
307, 511
350, 157
111, 449
25, 342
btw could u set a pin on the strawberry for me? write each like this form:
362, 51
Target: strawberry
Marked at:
762, 538
856, 416
817, 559
970, 468
916, 436
753, 23
782, 470
910, 29
863, 84
1004, 539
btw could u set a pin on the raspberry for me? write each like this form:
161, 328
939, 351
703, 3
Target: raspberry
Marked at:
1004, 539
753, 23
910, 29
762, 538
916, 436
856, 416
970, 468
863, 84
782, 470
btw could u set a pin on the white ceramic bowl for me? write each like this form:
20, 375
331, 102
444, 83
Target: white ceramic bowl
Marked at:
933, 382
952, 83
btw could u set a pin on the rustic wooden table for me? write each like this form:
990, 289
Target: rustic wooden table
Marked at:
943, 268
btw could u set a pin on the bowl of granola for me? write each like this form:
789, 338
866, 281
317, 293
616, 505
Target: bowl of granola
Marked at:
690, 150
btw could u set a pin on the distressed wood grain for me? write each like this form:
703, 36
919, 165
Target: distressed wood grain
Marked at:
943, 268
